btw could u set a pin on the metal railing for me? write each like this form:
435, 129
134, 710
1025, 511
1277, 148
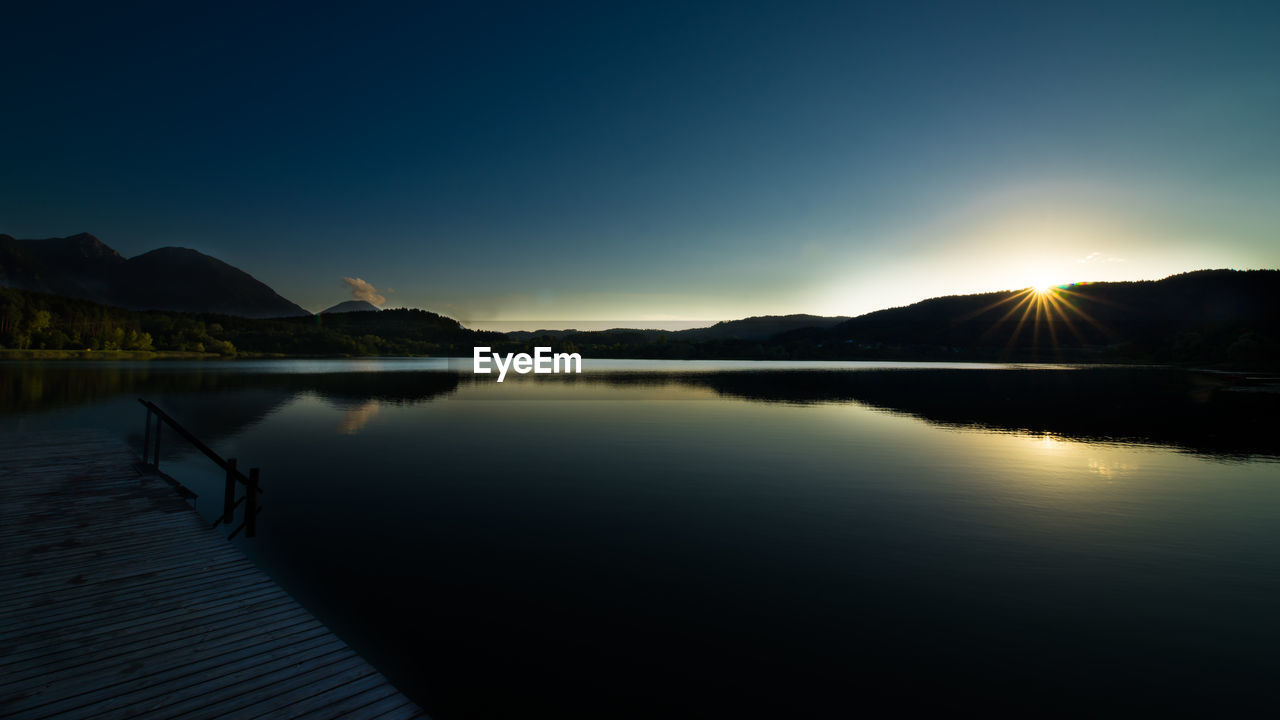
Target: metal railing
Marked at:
229, 501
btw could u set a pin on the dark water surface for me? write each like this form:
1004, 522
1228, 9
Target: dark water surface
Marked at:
657, 538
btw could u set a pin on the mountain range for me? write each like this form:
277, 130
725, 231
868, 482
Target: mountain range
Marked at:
1206, 316
183, 280
1205, 307
169, 278
1213, 316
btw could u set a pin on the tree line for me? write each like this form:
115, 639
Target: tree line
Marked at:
38, 321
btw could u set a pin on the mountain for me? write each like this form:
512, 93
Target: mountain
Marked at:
76, 266
351, 306
401, 323
531, 334
1202, 315
170, 278
43, 322
757, 328
761, 327
1227, 318
188, 281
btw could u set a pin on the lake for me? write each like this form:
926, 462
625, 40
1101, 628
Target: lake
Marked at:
786, 539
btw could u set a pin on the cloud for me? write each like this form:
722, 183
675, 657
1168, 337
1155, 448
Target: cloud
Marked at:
361, 290
1097, 257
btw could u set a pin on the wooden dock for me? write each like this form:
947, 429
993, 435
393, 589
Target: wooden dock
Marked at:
118, 601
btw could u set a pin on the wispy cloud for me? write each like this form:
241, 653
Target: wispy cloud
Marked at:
361, 290
1097, 257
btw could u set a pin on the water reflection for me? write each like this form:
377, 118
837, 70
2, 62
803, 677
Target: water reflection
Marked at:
1112, 470
356, 417
731, 542
1200, 412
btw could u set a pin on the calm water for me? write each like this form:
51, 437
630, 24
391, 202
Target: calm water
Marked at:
665, 538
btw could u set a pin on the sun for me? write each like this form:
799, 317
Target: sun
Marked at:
1043, 307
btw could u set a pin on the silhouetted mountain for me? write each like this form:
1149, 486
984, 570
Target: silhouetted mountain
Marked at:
351, 306
39, 321
753, 328
77, 266
531, 334
171, 278
758, 328
1216, 317
1204, 315
188, 281
404, 325
1225, 318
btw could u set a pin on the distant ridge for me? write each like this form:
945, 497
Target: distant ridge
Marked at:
759, 327
1219, 314
351, 306
1228, 318
169, 278
531, 334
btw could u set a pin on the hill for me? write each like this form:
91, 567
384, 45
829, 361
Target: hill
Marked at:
76, 266
757, 328
38, 321
753, 328
1225, 318
1211, 317
351, 306
531, 334
171, 278
1207, 315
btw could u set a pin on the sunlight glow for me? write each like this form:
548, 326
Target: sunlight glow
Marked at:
1044, 308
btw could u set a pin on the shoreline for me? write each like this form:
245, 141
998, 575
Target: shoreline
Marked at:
166, 355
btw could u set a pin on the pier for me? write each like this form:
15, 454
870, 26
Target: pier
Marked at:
118, 601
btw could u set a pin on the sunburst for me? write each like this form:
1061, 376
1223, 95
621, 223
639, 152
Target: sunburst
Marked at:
1043, 307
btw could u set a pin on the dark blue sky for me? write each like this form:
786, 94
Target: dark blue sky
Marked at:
652, 162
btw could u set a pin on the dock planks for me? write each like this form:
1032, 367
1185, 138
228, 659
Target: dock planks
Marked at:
118, 601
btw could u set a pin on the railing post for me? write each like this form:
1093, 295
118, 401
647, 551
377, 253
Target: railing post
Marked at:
229, 493
156, 464
251, 504
151, 449
146, 438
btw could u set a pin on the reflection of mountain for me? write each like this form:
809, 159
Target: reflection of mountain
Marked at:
1201, 412
214, 416
212, 403
33, 387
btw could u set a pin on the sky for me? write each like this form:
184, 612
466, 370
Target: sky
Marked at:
648, 163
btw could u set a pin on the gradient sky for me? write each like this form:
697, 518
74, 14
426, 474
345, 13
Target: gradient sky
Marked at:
648, 162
